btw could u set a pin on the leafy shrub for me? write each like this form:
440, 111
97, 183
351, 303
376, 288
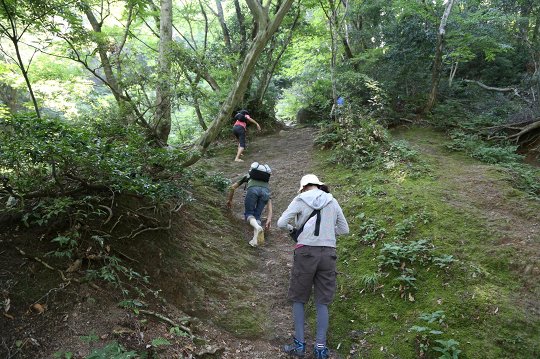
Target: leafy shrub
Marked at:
219, 182
371, 232
60, 174
525, 178
449, 349
425, 337
359, 141
476, 148
53, 156
397, 254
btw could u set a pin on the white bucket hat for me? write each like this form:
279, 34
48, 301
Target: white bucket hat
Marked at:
309, 179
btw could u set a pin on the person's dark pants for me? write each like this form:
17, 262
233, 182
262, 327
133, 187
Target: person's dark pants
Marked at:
240, 134
256, 198
313, 267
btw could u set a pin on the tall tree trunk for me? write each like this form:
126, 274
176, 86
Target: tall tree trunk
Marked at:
104, 58
331, 16
269, 70
242, 27
163, 92
224, 28
266, 29
437, 63
15, 38
26, 78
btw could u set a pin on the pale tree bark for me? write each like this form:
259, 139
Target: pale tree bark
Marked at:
266, 28
437, 62
224, 28
163, 92
104, 58
269, 70
334, 21
242, 28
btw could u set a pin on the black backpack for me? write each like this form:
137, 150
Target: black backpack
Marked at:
259, 175
241, 116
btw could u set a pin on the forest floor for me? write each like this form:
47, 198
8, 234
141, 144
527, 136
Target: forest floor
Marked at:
240, 293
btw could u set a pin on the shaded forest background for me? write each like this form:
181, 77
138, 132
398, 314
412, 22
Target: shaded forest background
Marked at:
107, 102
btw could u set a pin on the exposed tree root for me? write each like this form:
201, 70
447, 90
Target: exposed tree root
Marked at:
170, 321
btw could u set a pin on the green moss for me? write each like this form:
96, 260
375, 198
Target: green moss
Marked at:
478, 291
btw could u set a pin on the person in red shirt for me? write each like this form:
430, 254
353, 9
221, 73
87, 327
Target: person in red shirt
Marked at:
239, 131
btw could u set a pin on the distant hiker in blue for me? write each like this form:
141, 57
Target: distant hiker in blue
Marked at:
317, 219
239, 130
337, 108
257, 197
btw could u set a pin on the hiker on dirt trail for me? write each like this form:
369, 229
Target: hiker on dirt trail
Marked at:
337, 108
257, 197
317, 219
240, 129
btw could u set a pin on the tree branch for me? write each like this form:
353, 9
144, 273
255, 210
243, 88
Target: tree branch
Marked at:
490, 88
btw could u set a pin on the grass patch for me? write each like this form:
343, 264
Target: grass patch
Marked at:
373, 313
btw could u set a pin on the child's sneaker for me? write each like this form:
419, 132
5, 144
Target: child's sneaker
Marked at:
320, 352
260, 237
297, 349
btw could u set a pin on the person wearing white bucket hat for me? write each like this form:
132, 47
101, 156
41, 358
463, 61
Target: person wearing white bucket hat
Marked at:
309, 179
317, 219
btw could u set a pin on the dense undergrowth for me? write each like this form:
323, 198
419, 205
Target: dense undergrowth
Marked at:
98, 204
76, 181
421, 277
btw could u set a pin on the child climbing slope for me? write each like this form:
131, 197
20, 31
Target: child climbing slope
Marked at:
257, 197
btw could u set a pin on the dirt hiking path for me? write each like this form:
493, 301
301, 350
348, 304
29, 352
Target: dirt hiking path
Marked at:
289, 154
470, 186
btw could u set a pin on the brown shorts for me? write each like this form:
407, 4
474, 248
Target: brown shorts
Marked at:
313, 266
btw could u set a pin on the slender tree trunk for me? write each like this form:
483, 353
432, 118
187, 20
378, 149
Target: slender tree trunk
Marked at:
224, 28
163, 91
26, 78
14, 37
269, 70
332, 22
242, 27
104, 58
266, 30
437, 63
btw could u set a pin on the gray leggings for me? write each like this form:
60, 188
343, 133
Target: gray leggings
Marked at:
322, 322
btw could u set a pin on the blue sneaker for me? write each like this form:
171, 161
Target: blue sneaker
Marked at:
321, 353
297, 349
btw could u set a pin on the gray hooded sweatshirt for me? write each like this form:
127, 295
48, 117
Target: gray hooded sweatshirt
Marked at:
332, 220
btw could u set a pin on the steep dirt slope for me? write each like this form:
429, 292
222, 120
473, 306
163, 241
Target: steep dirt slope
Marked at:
289, 154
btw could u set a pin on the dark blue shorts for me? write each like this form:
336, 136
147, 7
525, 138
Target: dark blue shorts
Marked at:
256, 199
240, 133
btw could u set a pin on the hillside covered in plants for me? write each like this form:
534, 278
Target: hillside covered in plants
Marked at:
117, 155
